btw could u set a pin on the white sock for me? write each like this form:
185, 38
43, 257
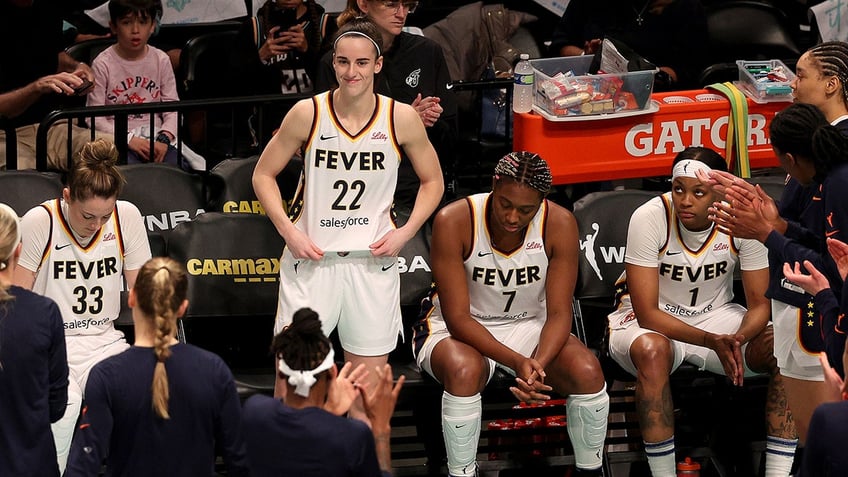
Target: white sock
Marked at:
587, 427
661, 458
779, 456
461, 431
63, 429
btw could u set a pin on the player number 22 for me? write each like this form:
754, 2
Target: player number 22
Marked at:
356, 186
88, 300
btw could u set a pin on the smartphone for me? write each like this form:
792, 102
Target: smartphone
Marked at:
284, 18
81, 89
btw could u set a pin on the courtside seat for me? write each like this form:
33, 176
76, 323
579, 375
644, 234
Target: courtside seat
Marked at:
231, 186
165, 195
24, 189
233, 266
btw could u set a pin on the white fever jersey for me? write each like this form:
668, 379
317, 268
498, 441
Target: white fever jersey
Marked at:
506, 286
84, 281
695, 268
349, 178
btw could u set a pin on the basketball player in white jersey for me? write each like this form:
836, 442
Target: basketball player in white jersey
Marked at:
78, 250
341, 243
674, 305
505, 266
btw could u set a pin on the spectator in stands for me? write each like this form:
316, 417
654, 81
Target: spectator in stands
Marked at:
670, 33
174, 425
414, 72
505, 267
78, 250
279, 49
35, 75
305, 435
813, 205
133, 72
281, 45
33, 366
675, 305
342, 236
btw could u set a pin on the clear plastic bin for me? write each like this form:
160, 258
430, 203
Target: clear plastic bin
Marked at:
584, 95
760, 85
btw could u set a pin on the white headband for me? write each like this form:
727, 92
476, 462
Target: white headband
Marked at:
11, 212
359, 33
303, 380
688, 168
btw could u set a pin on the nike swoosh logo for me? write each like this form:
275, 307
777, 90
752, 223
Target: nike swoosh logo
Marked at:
599, 410
483, 254
449, 86
672, 253
296, 264
60, 247
324, 138
460, 426
386, 267
831, 233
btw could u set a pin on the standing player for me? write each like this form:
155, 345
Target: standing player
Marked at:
161, 407
675, 305
505, 266
811, 208
33, 367
342, 237
78, 250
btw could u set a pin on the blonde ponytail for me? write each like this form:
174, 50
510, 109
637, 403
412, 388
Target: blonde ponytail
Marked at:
160, 290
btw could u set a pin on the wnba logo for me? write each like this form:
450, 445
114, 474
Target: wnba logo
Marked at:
609, 255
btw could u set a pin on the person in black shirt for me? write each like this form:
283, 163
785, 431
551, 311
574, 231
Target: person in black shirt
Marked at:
669, 33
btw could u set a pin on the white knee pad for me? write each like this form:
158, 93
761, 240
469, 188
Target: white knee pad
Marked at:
63, 429
461, 431
587, 426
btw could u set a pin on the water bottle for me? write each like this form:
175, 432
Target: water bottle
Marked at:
688, 468
524, 89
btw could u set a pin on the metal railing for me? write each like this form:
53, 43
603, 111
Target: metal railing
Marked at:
122, 112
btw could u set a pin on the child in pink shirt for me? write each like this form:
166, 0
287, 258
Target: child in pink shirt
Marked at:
131, 71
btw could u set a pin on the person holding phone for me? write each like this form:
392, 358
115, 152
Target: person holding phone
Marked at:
283, 40
36, 77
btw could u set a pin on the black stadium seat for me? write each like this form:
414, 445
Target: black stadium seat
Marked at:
749, 30
233, 266
231, 187
24, 189
164, 194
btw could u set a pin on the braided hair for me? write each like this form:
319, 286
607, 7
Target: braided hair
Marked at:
803, 131
160, 290
302, 343
832, 59
526, 168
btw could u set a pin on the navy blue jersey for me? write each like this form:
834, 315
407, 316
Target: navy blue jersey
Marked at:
824, 453
120, 425
33, 383
308, 442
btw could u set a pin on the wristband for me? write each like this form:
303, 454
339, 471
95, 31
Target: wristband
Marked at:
163, 138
